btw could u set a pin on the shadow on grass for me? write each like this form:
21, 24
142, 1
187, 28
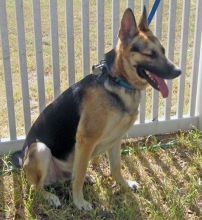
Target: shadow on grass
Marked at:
118, 204
180, 194
165, 168
114, 204
123, 205
145, 190
187, 155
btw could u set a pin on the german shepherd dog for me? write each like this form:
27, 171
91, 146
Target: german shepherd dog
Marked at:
92, 116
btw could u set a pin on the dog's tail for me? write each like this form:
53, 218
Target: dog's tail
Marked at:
16, 159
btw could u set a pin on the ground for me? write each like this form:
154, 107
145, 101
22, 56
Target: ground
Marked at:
168, 168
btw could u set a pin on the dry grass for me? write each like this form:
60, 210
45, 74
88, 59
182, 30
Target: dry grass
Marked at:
169, 180
4, 131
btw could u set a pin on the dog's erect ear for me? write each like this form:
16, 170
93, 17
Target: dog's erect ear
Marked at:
128, 28
143, 25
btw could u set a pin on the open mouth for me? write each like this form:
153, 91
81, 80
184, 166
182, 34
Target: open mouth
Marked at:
155, 81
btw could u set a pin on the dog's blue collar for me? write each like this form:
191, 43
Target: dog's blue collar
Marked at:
121, 81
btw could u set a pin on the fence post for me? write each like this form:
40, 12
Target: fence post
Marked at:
199, 88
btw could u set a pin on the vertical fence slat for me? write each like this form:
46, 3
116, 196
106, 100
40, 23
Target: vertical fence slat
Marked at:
142, 106
131, 4
7, 69
100, 30
85, 37
115, 21
183, 56
195, 60
199, 86
158, 20
143, 93
170, 51
39, 53
55, 47
158, 33
23, 64
70, 42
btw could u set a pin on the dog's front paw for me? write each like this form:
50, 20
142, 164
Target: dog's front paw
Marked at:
83, 205
52, 199
133, 185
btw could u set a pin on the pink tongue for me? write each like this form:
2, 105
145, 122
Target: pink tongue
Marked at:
162, 85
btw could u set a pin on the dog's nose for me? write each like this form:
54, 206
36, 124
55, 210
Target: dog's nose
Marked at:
177, 72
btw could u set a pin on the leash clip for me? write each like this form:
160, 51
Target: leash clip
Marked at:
100, 67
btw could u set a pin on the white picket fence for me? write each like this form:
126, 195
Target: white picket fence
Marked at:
156, 124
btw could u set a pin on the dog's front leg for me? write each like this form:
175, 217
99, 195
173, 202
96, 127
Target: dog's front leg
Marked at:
115, 168
83, 151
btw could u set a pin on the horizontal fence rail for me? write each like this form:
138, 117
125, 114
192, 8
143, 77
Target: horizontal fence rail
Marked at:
68, 36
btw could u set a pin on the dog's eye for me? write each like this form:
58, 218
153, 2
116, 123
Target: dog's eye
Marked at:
163, 51
153, 54
135, 48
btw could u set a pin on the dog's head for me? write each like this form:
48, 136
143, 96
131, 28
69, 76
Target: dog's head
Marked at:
140, 55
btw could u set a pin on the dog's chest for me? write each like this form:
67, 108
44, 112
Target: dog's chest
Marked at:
122, 119
114, 133
123, 123
119, 123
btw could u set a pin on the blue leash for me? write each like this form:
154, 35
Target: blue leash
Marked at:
153, 10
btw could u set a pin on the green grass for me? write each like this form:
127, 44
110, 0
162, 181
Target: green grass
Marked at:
4, 131
169, 179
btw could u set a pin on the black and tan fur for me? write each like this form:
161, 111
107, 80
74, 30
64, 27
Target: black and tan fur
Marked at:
93, 115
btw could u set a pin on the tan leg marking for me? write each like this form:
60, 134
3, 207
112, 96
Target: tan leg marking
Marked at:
82, 157
89, 131
115, 168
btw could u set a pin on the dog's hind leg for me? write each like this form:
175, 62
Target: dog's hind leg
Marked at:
36, 165
115, 167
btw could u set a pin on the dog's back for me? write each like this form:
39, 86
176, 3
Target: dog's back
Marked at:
56, 126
